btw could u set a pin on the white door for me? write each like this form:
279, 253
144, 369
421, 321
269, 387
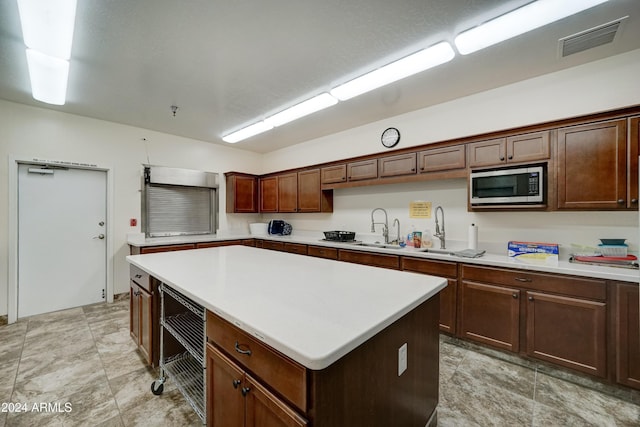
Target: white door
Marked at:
61, 238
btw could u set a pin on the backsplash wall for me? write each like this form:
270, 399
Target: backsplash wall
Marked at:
353, 206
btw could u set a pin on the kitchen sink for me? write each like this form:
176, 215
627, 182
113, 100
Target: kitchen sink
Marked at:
379, 245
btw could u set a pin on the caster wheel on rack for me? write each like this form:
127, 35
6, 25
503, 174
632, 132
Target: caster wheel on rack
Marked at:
157, 390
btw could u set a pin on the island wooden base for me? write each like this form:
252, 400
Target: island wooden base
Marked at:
363, 388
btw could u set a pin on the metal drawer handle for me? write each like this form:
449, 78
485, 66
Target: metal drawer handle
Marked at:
523, 279
137, 293
245, 390
515, 295
236, 383
242, 351
138, 276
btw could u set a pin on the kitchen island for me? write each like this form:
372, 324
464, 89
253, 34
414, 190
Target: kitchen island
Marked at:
325, 341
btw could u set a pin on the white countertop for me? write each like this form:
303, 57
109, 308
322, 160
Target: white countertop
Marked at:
311, 309
488, 259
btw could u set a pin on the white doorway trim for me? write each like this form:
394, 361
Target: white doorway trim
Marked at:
12, 297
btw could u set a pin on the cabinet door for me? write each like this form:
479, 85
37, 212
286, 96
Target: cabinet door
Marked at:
269, 194
288, 192
334, 174
448, 307
225, 404
627, 335
528, 147
442, 159
309, 194
265, 409
404, 164
146, 325
490, 315
134, 311
567, 331
592, 166
367, 169
487, 153
242, 194
634, 151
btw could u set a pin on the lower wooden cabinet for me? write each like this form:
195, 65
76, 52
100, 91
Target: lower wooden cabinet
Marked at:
569, 332
236, 399
369, 258
626, 331
490, 315
143, 311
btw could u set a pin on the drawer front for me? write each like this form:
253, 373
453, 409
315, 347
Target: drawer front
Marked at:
437, 268
282, 374
140, 277
217, 244
376, 260
333, 174
367, 169
566, 285
295, 248
167, 248
269, 244
323, 252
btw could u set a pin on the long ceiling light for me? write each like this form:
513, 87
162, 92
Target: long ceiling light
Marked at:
47, 28
302, 109
519, 21
247, 132
405, 67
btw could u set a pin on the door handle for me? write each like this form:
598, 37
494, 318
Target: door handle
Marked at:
99, 236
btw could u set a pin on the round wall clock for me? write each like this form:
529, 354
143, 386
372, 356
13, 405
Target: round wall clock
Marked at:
390, 137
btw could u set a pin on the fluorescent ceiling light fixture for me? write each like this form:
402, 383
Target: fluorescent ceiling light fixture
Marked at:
47, 25
519, 21
405, 67
247, 132
302, 109
49, 77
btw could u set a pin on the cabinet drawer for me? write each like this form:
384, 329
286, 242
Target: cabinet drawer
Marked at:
167, 248
437, 268
333, 174
282, 374
295, 248
367, 169
323, 252
404, 164
376, 260
566, 285
269, 244
140, 277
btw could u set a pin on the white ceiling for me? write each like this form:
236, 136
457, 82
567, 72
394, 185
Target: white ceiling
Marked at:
226, 64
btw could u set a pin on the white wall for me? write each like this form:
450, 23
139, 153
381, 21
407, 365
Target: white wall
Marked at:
604, 85
28, 132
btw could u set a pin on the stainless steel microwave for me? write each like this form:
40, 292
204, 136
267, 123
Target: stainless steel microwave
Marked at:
507, 186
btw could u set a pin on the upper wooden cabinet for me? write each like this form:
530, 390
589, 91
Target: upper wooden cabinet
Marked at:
269, 194
442, 159
242, 193
592, 167
333, 174
633, 170
295, 192
403, 164
366, 169
529, 147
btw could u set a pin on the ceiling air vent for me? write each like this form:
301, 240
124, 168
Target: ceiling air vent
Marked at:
590, 38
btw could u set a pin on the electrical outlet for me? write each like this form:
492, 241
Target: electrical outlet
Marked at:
402, 359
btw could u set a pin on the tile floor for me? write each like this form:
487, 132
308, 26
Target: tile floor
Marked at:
85, 358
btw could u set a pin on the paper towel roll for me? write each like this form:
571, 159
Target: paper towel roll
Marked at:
473, 237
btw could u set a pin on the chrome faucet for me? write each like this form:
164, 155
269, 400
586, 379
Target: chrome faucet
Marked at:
440, 233
385, 224
397, 221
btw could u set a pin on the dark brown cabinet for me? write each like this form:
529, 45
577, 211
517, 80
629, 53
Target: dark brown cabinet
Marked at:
368, 258
311, 198
143, 308
569, 332
236, 399
442, 159
242, 193
448, 296
592, 167
403, 164
288, 192
490, 315
626, 332
511, 149
564, 317
268, 195
333, 174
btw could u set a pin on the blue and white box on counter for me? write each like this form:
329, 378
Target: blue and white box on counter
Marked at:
533, 252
